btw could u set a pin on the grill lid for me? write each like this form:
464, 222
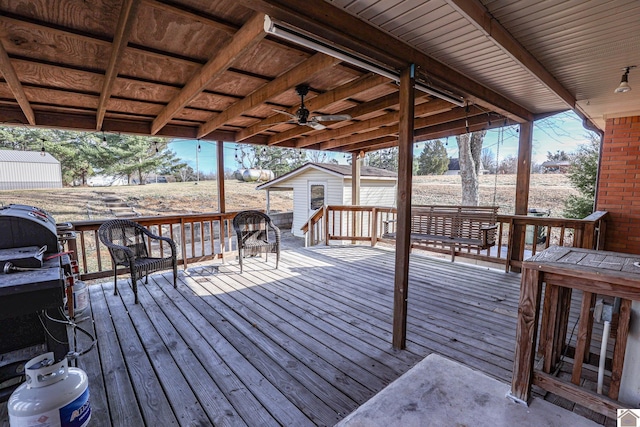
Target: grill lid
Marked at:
22, 225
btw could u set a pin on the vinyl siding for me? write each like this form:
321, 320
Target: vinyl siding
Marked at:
301, 202
373, 192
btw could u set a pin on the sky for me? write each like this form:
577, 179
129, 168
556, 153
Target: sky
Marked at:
562, 132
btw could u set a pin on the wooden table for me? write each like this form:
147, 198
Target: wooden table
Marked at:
563, 269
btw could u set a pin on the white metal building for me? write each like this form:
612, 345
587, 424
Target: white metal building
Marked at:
29, 169
317, 184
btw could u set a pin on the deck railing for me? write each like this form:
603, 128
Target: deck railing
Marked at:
198, 237
517, 235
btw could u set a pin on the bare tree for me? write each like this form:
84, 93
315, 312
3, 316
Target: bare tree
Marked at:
508, 165
470, 152
488, 160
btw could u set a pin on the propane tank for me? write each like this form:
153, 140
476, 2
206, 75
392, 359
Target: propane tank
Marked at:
53, 395
80, 296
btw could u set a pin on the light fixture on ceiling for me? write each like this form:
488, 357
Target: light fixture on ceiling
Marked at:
279, 30
624, 81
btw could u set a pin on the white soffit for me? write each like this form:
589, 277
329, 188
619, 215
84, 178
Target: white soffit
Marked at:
583, 44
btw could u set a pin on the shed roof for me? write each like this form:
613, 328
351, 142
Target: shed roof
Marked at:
17, 156
343, 171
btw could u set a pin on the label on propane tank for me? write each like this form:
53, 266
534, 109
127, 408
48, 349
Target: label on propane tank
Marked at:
76, 413
43, 419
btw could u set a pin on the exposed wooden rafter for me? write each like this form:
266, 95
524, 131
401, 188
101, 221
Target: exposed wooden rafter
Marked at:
246, 38
352, 34
478, 15
371, 145
431, 107
120, 40
296, 75
382, 103
359, 137
15, 86
340, 93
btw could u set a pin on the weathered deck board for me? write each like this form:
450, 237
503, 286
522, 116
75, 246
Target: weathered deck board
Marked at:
301, 345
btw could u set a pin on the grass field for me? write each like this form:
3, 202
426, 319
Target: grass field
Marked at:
548, 191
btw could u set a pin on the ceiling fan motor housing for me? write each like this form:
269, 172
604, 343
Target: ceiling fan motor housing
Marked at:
303, 115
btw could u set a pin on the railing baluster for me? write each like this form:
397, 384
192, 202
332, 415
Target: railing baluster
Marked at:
98, 254
84, 252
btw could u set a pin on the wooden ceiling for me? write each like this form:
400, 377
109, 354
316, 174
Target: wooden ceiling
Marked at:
207, 69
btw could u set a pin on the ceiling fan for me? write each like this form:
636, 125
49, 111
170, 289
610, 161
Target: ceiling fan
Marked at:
301, 117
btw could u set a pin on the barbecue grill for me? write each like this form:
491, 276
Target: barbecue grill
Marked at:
32, 290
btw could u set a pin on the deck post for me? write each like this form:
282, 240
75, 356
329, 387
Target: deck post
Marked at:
356, 163
220, 161
523, 180
405, 164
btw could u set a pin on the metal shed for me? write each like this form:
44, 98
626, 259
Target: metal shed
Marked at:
29, 169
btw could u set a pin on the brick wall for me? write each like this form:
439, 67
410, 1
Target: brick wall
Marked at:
619, 184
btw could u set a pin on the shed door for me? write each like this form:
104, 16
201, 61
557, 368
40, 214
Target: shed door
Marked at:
317, 196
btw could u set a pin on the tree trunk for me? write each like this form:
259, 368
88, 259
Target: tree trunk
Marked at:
470, 151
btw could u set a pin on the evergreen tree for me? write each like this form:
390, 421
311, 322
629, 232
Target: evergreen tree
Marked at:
81, 154
582, 174
433, 159
387, 158
276, 159
133, 156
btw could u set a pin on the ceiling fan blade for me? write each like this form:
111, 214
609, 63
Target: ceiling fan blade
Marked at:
315, 125
286, 113
288, 122
331, 118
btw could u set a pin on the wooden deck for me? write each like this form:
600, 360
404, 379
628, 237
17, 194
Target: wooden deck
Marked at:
302, 345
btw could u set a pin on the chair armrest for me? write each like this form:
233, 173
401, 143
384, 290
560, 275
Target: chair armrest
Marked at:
171, 243
490, 227
276, 230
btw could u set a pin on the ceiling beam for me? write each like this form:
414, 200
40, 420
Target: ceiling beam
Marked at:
365, 82
120, 40
247, 37
431, 107
478, 15
326, 22
15, 86
298, 74
86, 121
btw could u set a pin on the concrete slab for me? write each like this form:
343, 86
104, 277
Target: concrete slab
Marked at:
440, 392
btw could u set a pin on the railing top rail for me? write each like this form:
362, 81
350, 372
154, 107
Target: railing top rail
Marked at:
359, 208
552, 221
312, 219
164, 219
596, 216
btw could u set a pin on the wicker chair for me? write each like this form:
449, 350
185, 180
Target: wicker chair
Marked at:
252, 231
126, 241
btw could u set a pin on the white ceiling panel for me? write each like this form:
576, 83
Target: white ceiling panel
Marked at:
583, 44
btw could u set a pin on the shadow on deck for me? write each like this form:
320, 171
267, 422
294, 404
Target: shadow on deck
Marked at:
302, 345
